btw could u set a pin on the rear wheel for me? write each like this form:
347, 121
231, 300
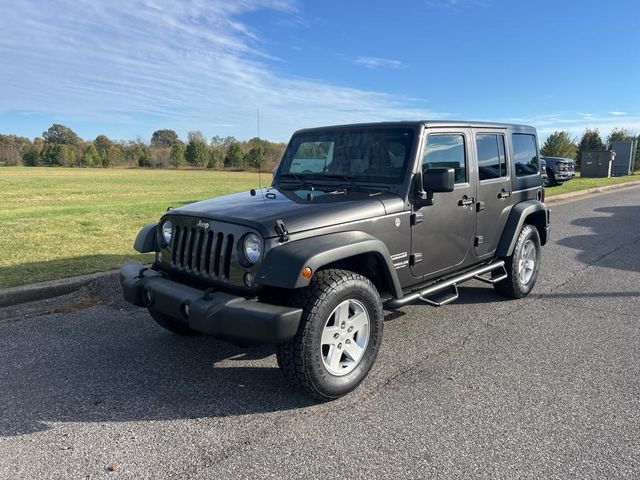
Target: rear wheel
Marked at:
339, 334
522, 266
174, 325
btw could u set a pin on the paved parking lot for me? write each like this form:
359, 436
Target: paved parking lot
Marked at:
545, 387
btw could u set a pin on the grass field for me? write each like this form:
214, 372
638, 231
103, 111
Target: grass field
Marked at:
586, 183
60, 222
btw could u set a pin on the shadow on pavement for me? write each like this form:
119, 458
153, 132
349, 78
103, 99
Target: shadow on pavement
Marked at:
113, 363
621, 219
104, 365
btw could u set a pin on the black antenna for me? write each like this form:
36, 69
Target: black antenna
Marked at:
259, 169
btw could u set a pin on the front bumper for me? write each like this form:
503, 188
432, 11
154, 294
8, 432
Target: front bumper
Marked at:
219, 314
564, 176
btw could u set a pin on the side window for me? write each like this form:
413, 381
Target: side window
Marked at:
525, 155
492, 161
446, 150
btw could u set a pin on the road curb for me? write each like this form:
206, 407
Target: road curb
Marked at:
580, 193
43, 290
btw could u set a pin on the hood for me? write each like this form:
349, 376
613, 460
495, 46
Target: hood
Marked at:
295, 208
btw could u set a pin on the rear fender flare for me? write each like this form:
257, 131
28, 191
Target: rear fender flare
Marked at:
516, 220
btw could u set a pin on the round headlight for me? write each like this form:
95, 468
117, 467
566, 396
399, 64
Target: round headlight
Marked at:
167, 231
252, 248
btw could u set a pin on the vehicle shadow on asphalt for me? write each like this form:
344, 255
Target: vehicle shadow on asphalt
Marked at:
472, 295
112, 363
620, 218
100, 365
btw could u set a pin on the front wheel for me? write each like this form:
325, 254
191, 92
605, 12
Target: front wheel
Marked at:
339, 334
522, 266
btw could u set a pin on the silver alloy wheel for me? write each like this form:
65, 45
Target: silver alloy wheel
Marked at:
345, 337
527, 263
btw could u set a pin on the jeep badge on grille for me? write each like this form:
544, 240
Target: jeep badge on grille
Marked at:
202, 224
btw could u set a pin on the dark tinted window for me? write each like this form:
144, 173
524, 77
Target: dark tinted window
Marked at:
378, 155
446, 150
525, 155
491, 157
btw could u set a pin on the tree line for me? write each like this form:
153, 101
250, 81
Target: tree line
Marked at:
560, 144
61, 146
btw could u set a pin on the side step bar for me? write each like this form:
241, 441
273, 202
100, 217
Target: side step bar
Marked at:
451, 283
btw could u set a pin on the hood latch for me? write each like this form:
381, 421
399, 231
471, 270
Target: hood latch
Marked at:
281, 230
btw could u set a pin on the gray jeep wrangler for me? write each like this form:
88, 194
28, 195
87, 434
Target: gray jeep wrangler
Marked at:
359, 218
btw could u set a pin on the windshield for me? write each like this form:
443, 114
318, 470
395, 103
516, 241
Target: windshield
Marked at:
373, 155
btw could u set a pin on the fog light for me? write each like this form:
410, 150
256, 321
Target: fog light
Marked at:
249, 279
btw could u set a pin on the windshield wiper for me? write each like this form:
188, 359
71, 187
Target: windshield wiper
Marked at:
291, 178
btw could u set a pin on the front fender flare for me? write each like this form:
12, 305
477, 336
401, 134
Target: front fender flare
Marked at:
146, 241
282, 266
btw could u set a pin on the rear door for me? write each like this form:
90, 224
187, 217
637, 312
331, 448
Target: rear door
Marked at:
494, 198
442, 233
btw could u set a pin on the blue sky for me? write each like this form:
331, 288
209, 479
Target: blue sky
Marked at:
127, 68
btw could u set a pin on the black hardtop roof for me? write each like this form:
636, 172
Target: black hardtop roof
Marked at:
429, 124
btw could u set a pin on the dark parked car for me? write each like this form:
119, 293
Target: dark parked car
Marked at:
543, 172
559, 170
359, 218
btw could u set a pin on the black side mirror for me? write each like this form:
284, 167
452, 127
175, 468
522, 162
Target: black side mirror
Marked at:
434, 180
438, 179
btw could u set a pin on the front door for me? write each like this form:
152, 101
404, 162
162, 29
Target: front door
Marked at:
442, 234
494, 189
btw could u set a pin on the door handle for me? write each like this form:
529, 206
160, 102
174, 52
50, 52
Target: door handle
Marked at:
465, 201
504, 194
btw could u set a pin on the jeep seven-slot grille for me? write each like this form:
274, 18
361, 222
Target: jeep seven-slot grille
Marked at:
200, 251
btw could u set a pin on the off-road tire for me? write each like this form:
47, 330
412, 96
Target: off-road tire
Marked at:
512, 287
179, 327
300, 359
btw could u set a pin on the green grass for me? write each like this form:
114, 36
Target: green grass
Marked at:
586, 183
60, 222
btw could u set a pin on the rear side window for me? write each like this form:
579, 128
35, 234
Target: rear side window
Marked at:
446, 150
525, 155
492, 162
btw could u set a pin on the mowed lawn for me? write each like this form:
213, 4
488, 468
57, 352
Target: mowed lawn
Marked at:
60, 222
579, 183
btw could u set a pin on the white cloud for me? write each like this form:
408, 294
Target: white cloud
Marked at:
577, 123
618, 114
379, 62
190, 64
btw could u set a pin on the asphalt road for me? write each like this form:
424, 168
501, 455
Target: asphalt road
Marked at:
545, 387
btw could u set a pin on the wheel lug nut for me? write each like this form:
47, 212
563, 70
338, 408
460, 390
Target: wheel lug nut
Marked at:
350, 329
343, 324
348, 342
336, 335
339, 346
